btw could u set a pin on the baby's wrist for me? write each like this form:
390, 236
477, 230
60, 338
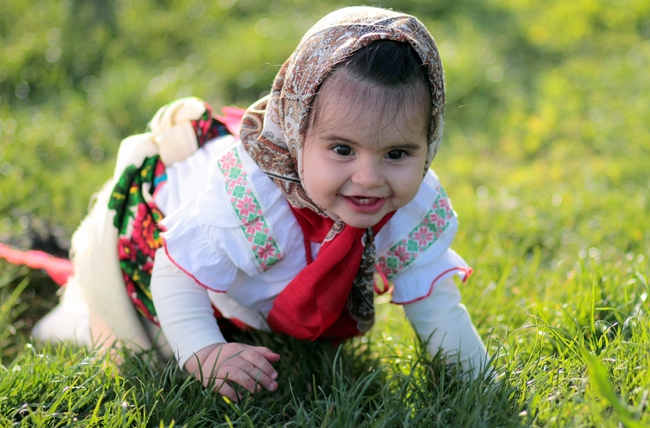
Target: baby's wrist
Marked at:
200, 357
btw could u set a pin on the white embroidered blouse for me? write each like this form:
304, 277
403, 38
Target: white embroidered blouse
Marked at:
229, 227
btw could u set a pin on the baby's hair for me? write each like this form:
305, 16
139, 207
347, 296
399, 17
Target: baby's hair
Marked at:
387, 64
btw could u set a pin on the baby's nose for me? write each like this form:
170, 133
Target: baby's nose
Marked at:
368, 175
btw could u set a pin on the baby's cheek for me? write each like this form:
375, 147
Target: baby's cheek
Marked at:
411, 188
310, 180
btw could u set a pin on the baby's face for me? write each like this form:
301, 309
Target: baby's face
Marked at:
364, 157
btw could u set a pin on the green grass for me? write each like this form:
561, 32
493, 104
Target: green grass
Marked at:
321, 386
545, 158
564, 312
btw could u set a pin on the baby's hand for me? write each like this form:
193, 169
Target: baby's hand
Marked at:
249, 366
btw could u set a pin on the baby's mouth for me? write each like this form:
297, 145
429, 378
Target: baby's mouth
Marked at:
364, 204
363, 200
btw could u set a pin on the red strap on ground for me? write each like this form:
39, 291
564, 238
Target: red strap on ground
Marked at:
58, 269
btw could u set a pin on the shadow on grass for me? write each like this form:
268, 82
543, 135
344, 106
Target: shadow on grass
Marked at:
333, 386
319, 384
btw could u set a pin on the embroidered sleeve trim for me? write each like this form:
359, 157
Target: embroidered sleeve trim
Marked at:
423, 236
249, 211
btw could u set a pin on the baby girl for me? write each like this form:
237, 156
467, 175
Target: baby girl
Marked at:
281, 223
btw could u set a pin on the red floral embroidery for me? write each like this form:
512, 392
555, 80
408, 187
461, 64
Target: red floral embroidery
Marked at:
247, 208
146, 234
228, 161
253, 228
421, 238
266, 251
126, 250
402, 254
148, 267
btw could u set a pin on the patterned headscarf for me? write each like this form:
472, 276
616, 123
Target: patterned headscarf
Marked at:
314, 304
273, 129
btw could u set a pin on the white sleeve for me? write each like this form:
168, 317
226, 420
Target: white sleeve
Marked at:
443, 322
183, 308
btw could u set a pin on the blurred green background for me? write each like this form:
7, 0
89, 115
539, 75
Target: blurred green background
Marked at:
546, 157
550, 97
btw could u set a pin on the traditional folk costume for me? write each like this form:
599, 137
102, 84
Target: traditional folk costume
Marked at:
233, 232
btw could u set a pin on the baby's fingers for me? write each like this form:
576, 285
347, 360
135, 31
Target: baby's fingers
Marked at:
258, 360
264, 380
223, 388
251, 378
267, 353
261, 364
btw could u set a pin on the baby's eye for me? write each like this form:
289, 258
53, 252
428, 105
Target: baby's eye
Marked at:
342, 150
396, 154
